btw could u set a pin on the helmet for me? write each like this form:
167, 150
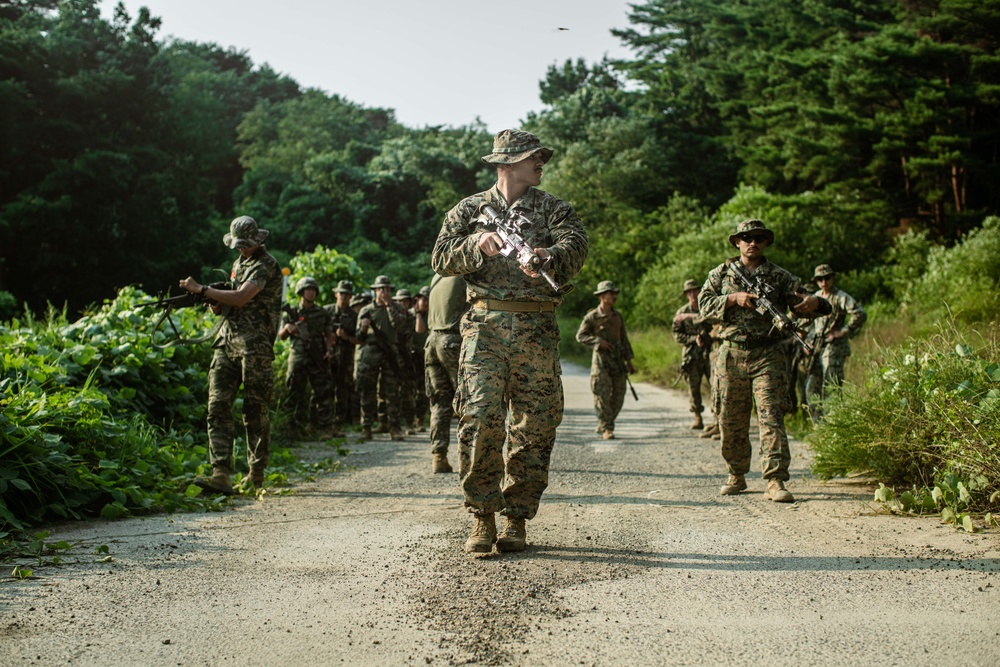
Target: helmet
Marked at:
304, 284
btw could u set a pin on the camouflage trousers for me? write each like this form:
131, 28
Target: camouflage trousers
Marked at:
694, 374
371, 365
422, 405
609, 396
440, 375
302, 373
225, 375
509, 389
342, 384
745, 377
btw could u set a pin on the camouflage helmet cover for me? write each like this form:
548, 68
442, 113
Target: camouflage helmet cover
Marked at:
305, 283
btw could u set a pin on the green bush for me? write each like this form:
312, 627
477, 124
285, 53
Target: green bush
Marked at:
931, 408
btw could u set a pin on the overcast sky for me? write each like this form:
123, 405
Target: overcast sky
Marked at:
436, 62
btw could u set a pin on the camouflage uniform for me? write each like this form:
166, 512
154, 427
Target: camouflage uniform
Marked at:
342, 363
695, 363
751, 368
244, 352
417, 344
827, 369
608, 368
379, 363
441, 351
308, 365
509, 381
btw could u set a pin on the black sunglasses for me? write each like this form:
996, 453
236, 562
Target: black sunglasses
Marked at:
753, 238
823, 279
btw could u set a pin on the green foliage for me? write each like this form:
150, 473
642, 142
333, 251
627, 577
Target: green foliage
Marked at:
328, 267
950, 496
931, 408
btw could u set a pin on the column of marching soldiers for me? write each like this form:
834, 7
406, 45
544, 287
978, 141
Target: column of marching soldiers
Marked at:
376, 358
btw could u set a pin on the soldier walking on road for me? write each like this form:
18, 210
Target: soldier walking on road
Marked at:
751, 365
830, 336
603, 330
244, 352
692, 331
382, 326
509, 383
446, 306
342, 355
310, 329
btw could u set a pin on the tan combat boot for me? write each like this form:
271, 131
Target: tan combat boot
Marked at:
514, 535
697, 424
219, 482
441, 462
712, 430
254, 480
733, 485
776, 492
366, 433
609, 435
484, 534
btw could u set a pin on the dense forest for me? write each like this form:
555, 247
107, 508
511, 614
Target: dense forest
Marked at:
842, 123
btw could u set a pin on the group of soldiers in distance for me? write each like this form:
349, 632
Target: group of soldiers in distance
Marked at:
376, 358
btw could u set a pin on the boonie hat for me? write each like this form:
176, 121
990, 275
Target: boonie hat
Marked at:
243, 233
606, 286
691, 284
751, 225
424, 291
402, 294
510, 146
823, 270
344, 287
381, 281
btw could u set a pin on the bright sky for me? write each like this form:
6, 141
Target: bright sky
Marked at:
436, 62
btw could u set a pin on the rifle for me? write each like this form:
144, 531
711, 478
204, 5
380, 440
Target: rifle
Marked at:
304, 335
168, 304
510, 227
629, 380
765, 306
383, 344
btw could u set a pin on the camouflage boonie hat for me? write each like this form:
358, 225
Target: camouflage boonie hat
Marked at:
344, 287
244, 233
749, 226
691, 284
357, 300
606, 286
425, 291
510, 146
381, 281
823, 270
304, 284
402, 294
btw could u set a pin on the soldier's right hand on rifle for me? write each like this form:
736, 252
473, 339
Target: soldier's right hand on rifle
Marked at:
744, 300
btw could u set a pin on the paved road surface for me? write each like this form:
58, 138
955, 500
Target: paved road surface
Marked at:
634, 559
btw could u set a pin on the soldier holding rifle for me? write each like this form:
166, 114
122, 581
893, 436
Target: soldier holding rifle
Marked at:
750, 296
692, 331
603, 330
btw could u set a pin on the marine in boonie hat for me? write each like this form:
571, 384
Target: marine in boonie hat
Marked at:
425, 291
606, 286
753, 227
381, 281
510, 146
344, 287
690, 284
402, 294
244, 233
823, 271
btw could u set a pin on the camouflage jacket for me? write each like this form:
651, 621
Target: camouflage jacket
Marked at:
686, 333
346, 319
314, 324
392, 320
847, 316
253, 327
598, 326
743, 325
556, 228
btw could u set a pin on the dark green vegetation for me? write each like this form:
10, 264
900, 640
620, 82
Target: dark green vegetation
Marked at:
866, 134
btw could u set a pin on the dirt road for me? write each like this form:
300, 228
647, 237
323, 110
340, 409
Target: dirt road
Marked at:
633, 559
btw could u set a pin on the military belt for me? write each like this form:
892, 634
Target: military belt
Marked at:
515, 306
751, 344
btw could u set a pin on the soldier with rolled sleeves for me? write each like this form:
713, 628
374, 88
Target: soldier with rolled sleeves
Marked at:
830, 336
342, 355
310, 331
509, 384
446, 306
243, 354
382, 326
751, 366
692, 331
603, 330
